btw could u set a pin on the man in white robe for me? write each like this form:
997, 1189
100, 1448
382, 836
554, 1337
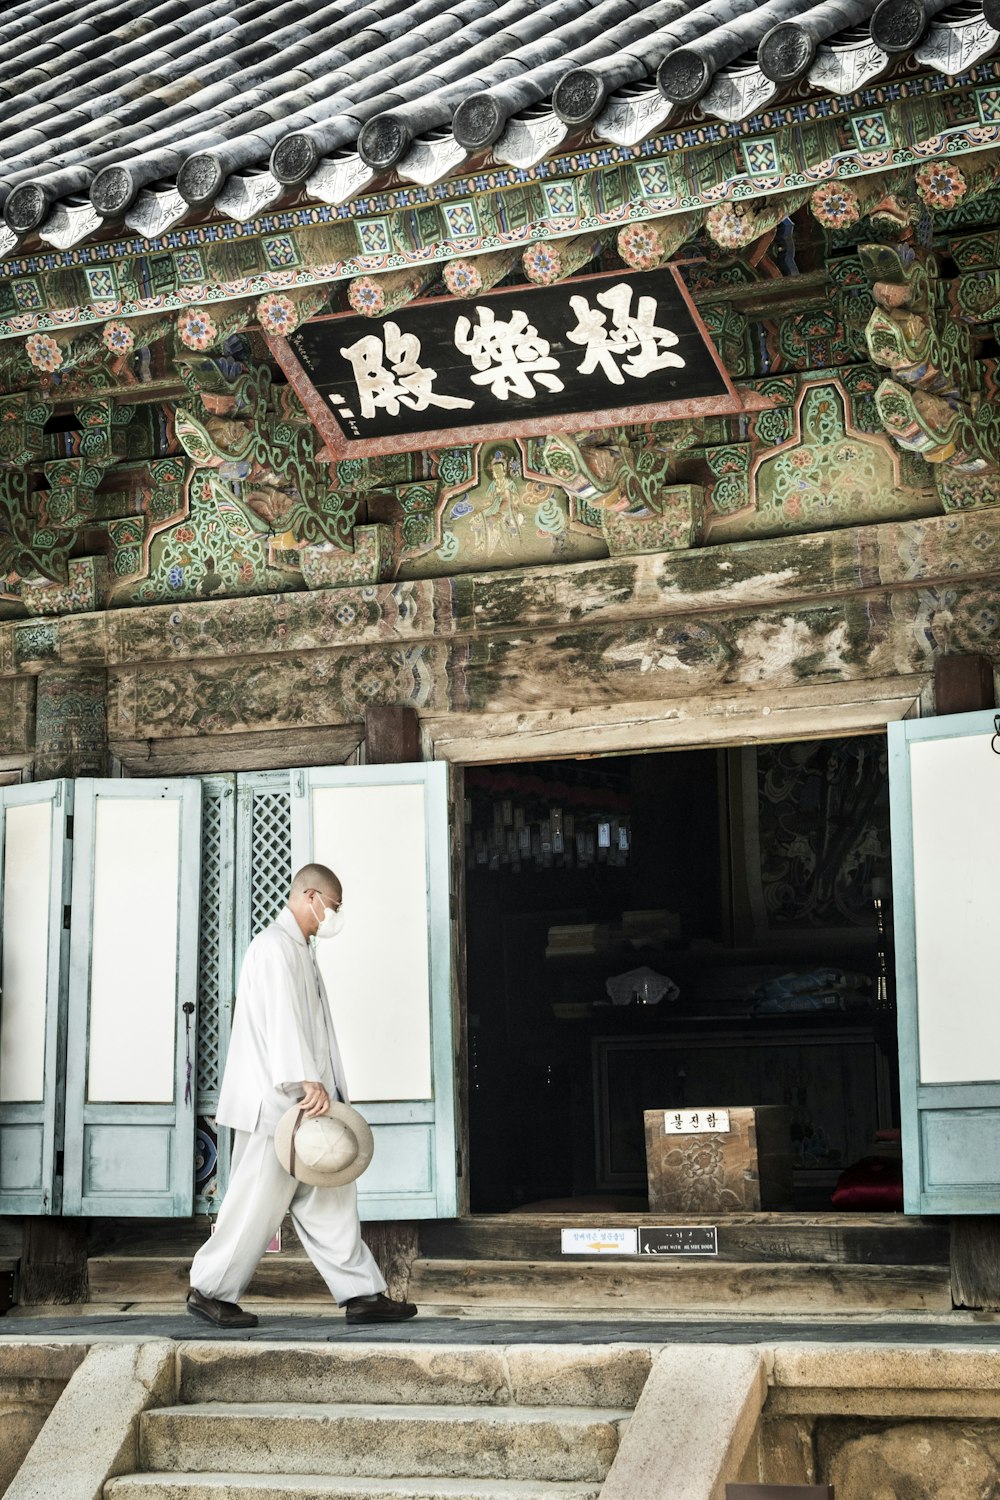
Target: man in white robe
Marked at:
284, 1049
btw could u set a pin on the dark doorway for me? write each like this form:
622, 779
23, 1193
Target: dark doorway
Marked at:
742, 884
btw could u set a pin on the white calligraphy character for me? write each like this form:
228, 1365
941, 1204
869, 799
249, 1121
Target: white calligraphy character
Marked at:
639, 337
405, 383
508, 355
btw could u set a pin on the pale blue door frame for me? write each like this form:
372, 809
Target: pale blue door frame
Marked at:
414, 1173
31, 1118
945, 796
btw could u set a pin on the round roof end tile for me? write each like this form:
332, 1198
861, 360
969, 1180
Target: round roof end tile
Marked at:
294, 158
682, 76
200, 179
578, 96
26, 207
785, 53
382, 142
478, 122
113, 191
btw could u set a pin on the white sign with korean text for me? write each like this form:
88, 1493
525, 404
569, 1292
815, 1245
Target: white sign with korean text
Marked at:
600, 1242
696, 1122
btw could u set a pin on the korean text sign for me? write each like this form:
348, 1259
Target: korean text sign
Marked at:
626, 344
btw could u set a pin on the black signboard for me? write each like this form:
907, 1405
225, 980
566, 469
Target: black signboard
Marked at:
680, 1239
620, 347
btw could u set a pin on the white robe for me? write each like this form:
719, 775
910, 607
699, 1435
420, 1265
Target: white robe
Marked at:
282, 1031
282, 1036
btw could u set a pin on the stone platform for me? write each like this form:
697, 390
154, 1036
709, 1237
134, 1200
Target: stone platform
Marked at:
960, 1329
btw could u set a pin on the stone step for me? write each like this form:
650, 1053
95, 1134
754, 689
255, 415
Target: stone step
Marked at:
383, 1442
838, 1239
173, 1486
655, 1286
429, 1374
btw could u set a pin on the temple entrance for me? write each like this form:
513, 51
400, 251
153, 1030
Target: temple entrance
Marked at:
680, 931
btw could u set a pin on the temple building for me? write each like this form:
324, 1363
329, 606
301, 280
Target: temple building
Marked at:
542, 459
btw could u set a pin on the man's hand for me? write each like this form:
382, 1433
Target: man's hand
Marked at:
315, 1100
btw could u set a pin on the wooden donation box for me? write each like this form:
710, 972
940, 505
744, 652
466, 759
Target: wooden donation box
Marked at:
716, 1161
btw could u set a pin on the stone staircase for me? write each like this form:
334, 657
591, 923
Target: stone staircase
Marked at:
367, 1422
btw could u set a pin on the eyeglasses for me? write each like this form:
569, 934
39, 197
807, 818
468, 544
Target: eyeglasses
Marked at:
327, 900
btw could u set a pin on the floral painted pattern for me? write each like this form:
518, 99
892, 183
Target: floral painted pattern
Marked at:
941, 184
118, 338
542, 264
196, 329
462, 278
43, 352
366, 296
835, 205
277, 314
640, 247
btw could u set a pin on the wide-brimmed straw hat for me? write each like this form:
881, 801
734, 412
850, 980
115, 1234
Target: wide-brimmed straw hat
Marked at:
326, 1151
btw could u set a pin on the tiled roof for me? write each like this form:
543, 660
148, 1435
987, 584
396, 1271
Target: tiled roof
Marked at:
150, 109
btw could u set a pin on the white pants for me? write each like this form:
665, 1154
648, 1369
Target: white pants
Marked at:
259, 1195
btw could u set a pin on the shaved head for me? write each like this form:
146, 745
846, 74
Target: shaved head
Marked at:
314, 881
315, 878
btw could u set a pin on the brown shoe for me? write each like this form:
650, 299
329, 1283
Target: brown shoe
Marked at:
222, 1314
378, 1308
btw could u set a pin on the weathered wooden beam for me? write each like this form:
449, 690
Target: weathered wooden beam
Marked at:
646, 245
895, 558
734, 226
377, 296
207, 327
53, 1262
471, 275
550, 261
963, 684
975, 1262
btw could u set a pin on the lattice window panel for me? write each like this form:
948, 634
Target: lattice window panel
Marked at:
210, 1000
271, 856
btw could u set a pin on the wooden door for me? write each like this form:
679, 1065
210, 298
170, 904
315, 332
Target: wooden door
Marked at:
132, 1019
384, 831
35, 826
945, 790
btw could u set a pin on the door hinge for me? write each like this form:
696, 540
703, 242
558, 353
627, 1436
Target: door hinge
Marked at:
69, 825
59, 1163
458, 1161
67, 915
453, 906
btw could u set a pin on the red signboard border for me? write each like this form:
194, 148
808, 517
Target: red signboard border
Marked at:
338, 446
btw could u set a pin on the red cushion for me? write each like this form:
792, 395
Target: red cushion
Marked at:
873, 1184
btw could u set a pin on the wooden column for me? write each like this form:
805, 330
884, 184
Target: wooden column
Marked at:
70, 740
962, 685
392, 737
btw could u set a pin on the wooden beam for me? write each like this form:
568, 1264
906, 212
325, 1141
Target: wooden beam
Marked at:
963, 684
392, 735
53, 1261
975, 1262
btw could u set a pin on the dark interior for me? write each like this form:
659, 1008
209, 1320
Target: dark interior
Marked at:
748, 878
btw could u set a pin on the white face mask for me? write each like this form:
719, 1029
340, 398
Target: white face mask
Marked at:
332, 922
